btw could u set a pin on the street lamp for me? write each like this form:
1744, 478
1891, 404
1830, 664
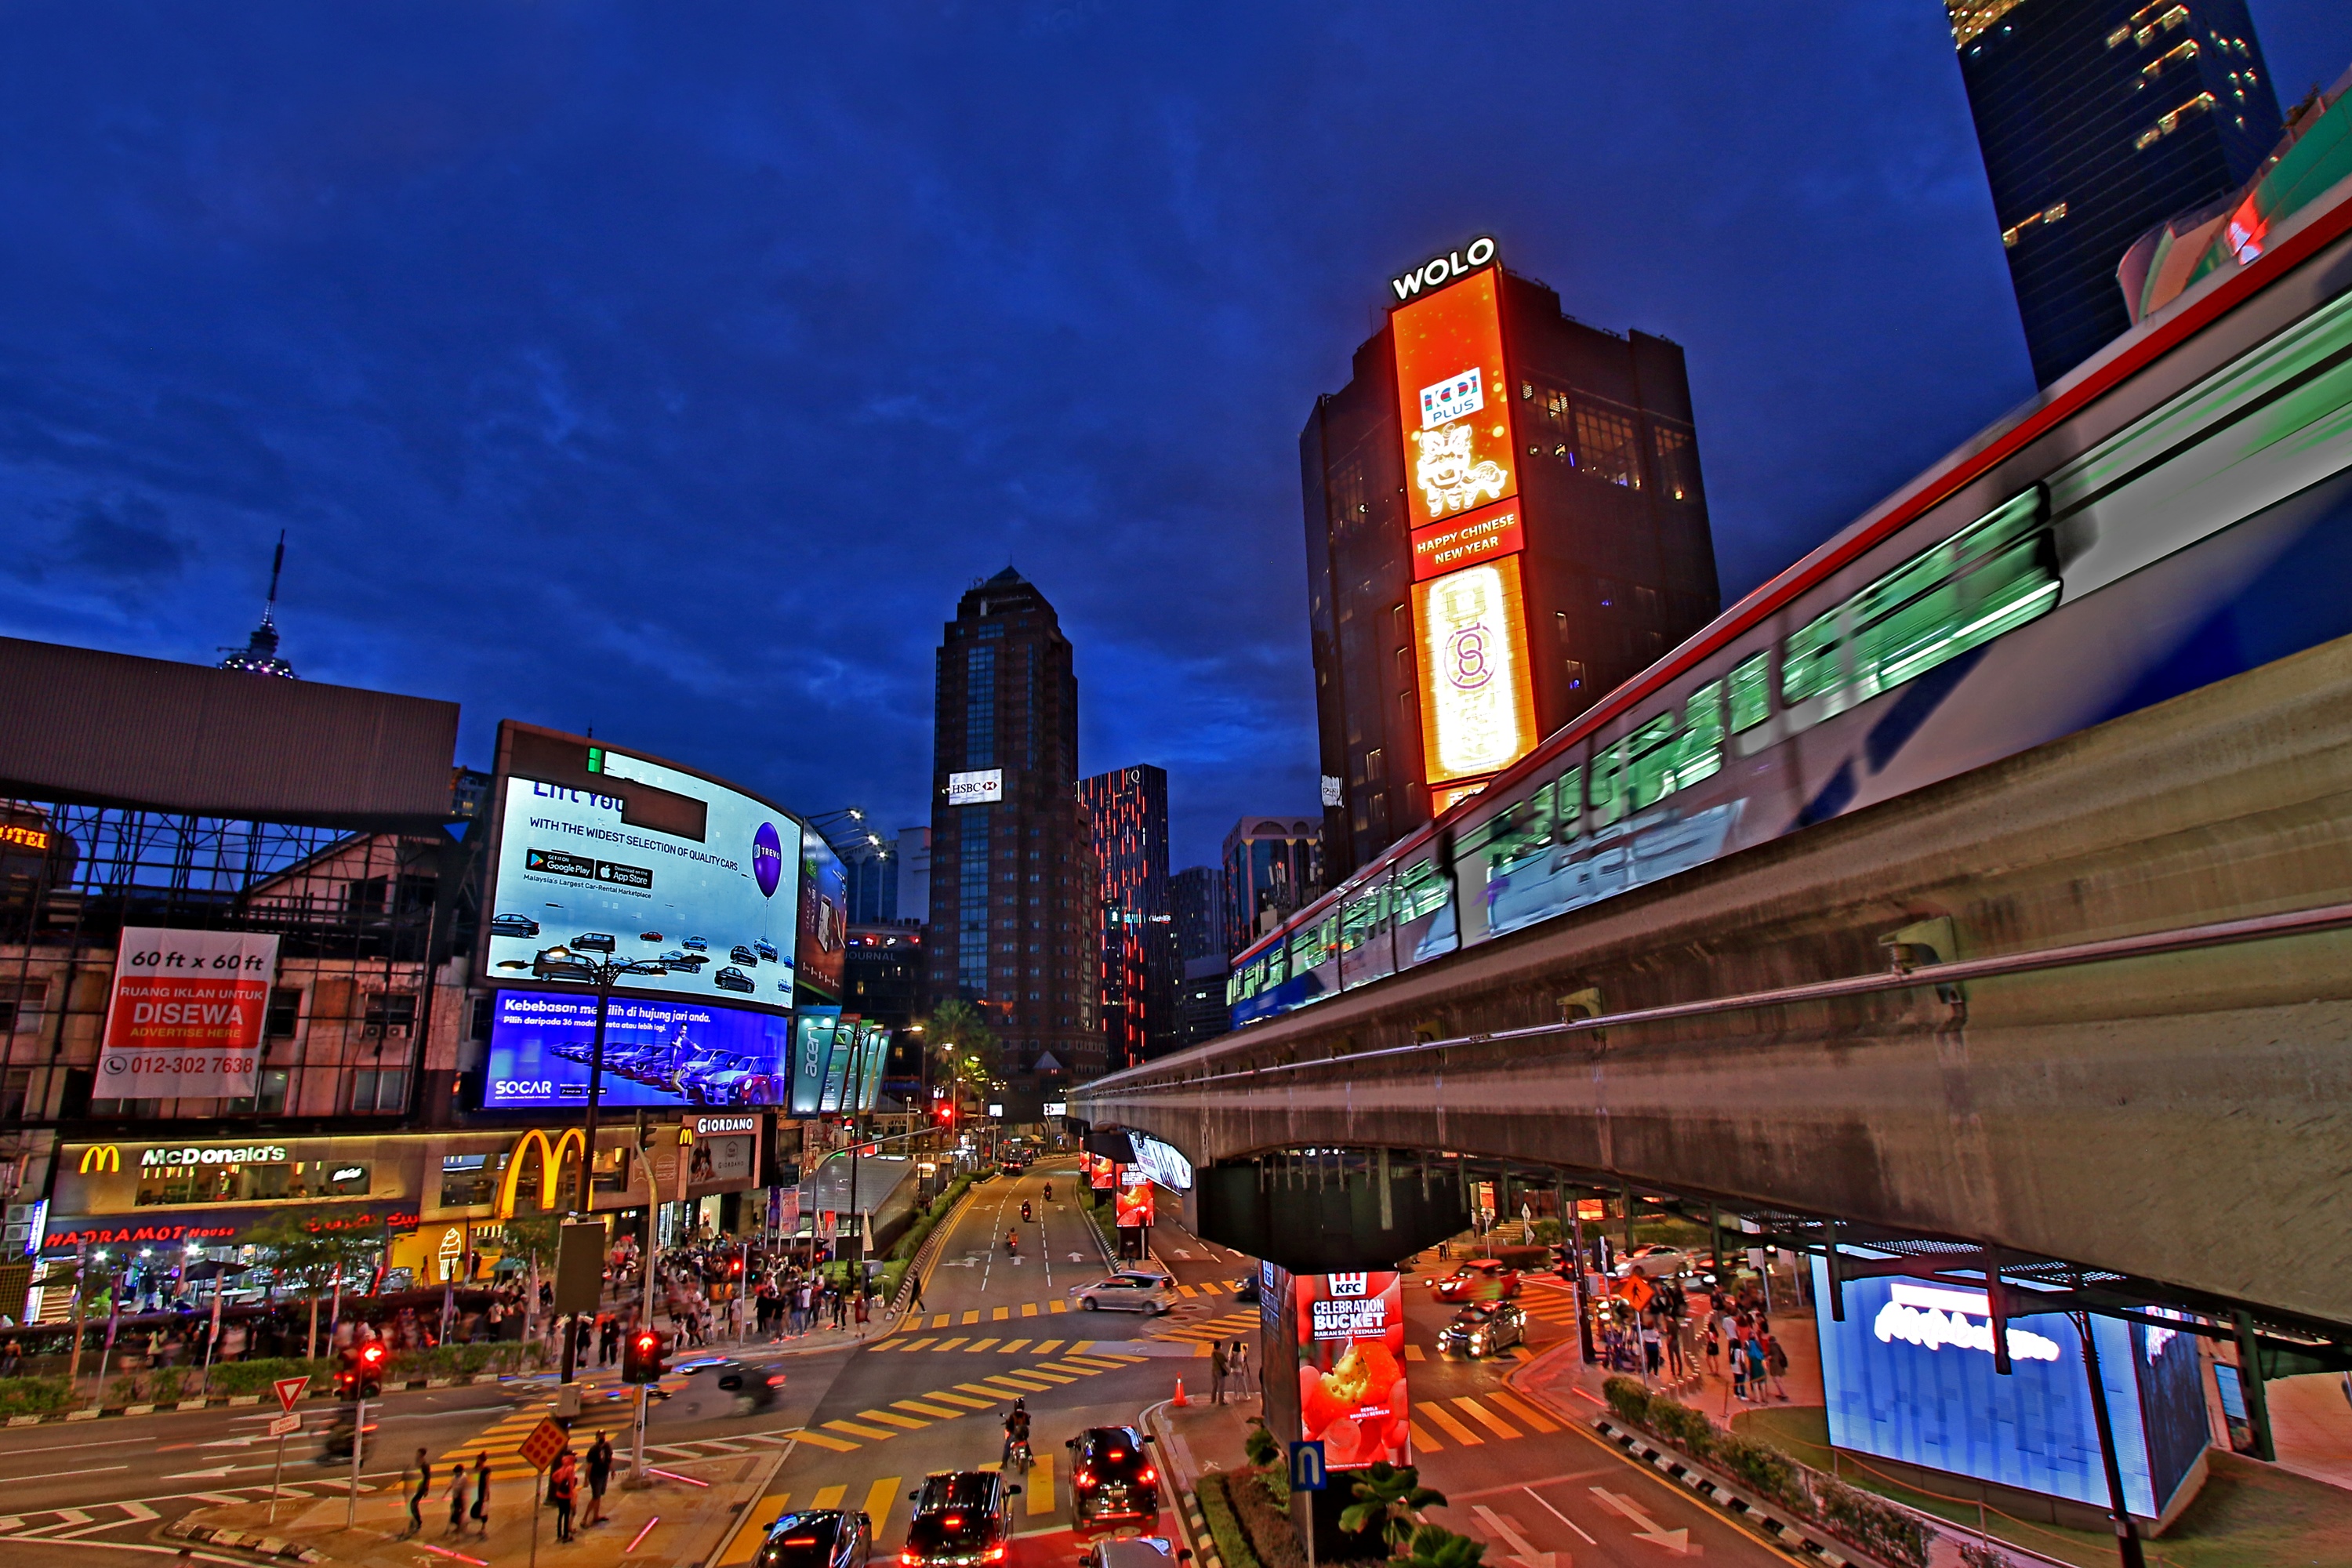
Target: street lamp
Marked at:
603, 974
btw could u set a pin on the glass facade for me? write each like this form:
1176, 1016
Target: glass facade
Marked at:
2099, 120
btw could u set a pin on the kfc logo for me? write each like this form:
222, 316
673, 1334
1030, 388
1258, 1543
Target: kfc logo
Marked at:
1344, 1285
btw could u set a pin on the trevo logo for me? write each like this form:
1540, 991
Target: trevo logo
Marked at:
1349, 1284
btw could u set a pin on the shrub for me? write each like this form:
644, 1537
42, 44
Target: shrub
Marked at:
168, 1385
33, 1395
122, 1391
1682, 1425
1232, 1546
1629, 1399
1885, 1531
1272, 1540
1974, 1555
256, 1376
1763, 1468
1261, 1445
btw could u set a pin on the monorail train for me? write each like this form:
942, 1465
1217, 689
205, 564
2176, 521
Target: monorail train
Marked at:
2174, 511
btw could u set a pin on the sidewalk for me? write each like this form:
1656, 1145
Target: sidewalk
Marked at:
678, 1521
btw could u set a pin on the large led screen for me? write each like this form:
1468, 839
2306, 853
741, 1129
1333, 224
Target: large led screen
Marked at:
1477, 693
824, 940
576, 885
811, 1048
1351, 1383
1453, 397
657, 1053
1909, 1375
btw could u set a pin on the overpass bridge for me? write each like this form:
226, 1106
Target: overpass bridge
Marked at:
2081, 1015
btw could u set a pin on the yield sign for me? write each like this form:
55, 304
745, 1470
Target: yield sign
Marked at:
289, 1389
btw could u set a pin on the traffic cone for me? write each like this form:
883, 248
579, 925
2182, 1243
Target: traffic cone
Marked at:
1179, 1402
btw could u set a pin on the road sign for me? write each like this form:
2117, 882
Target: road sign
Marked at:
1306, 1471
546, 1441
284, 1426
289, 1389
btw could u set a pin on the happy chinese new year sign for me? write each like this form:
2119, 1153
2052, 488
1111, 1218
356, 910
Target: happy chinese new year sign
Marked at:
185, 1017
1351, 1384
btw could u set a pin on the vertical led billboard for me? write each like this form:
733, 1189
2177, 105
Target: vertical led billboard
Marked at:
1351, 1382
1909, 1375
1453, 395
1477, 701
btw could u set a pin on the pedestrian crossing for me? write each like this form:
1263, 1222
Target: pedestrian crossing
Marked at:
925, 1320
1231, 1326
879, 1424
1471, 1421
501, 1441
881, 1499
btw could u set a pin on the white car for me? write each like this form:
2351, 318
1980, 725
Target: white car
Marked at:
1655, 1261
1127, 1293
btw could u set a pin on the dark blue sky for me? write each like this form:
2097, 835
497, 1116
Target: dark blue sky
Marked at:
675, 369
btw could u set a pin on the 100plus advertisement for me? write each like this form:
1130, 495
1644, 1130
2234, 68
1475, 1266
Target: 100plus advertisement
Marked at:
655, 1053
578, 889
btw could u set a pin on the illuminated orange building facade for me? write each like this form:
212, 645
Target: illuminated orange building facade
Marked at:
1504, 521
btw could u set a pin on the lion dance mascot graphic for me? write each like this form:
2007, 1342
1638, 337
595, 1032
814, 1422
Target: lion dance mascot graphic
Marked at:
1450, 482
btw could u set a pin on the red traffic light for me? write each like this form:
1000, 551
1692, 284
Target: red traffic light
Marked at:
648, 1342
373, 1355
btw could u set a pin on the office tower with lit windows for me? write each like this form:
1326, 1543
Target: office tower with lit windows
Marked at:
1014, 890
1505, 519
1137, 986
2099, 120
1196, 898
1272, 869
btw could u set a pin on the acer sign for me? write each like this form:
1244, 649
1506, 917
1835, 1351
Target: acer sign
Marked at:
184, 1020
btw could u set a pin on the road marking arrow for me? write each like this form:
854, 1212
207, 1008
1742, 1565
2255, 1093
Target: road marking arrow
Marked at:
1645, 1529
1528, 1556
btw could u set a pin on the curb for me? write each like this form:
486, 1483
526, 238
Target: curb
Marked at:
221, 1401
1190, 1519
743, 1515
918, 1265
1668, 1462
242, 1540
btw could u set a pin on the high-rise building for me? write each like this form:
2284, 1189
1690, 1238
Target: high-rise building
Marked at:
1203, 1012
914, 872
870, 863
1196, 897
1013, 926
1504, 520
1274, 867
1129, 809
2099, 120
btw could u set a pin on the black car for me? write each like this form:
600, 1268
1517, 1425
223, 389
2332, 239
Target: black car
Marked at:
817, 1538
739, 953
963, 1519
733, 979
1248, 1295
765, 948
1112, 1479
751, 1388
593, 941
513, 925
691, 962
557, 963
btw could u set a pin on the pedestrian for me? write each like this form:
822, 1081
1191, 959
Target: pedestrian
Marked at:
916, 1301
1738, 1372
457, 1490
416, 1498
1776, 1362
1217, 1370
482, 1495
600, 1474
1239, 1362
1652, 1353
608, 1340
1755, 1369
563, 1484
1713, 1349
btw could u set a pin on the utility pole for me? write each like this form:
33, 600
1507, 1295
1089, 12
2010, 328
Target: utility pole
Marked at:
2127, 1546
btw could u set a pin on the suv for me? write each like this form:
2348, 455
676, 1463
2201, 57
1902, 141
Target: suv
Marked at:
1112, 1479
1126, 1293
1480, 1280
820, 1538
961, 1518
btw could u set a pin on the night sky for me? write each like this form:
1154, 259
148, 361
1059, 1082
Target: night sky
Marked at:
672, 369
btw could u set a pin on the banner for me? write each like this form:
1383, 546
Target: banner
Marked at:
1102, 1172
1133, 1206
184, 1020
1351, 1378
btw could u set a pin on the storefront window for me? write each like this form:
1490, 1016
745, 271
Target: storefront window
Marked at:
469, 1179
253, 1183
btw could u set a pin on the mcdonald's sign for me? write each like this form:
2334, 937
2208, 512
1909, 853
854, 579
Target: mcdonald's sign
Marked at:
102, 1158
568, 1143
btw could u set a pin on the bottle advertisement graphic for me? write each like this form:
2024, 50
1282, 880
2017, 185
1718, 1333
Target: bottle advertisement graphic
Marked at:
1477, 712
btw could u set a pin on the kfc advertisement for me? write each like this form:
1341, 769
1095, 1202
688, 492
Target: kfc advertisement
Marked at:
1102, 1172
1133, 1206
1351, 1384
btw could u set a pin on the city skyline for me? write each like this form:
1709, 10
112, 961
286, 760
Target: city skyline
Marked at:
416, 328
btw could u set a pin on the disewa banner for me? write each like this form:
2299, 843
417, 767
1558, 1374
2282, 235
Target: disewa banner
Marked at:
184, 1021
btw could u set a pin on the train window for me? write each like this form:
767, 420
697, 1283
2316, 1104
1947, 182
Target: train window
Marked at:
1752, 702
1513, 833
1992, 576
1310, 947
1420, 891
1278, 965
1568, 800
1359, 918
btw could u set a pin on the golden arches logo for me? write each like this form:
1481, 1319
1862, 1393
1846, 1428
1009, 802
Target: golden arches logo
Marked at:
568, 1142
100, 1157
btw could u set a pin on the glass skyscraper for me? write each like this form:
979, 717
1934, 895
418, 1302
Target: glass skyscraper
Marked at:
2099, 120
1129, 811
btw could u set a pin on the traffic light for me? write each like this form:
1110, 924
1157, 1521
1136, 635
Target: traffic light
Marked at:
361, 1375
642, 1357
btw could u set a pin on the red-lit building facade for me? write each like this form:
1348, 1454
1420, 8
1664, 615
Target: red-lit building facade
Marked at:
1137, 975
1505, 519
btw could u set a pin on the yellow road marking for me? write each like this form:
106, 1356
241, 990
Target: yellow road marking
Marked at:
939, 1321
855, 1430
1057, 1306
902, 1422
1000, 1314
878, 1498
977, 1345
821, 1441
829, 1496
1495, 1423
1038, 1490
937, 1411
971, 1317
1412, 1352
1454, 1429
916, 1344
1037, 1371
1091, 1364
1002, 1394
1008, 1346
958, 1399
1186, 1290
1423, 1443
1028, 1309
948, 1344
1522, 1409
1046, 1346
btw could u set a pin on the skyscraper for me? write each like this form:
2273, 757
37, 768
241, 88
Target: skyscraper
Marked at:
1013, 888
1129, 809
1274, 867
2099, 120
1196, 897
1504, 521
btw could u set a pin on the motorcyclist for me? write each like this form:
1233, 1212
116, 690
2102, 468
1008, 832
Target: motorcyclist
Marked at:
1049, 1192
1016, 1432
1024, 1213
1012, 1240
